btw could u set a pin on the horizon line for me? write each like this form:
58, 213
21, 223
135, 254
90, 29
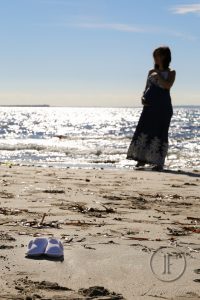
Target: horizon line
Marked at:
86, 106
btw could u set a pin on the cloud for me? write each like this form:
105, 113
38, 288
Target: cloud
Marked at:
180, 35
131, 28
120, 27
111, 26
187, 8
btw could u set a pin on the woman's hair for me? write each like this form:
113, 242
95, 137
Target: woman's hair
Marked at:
166, 53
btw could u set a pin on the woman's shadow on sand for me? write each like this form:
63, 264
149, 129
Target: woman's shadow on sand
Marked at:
180, 172
177, 172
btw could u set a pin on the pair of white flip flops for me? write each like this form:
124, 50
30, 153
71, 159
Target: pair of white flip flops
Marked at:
48, 246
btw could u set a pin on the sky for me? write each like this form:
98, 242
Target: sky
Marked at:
95, 52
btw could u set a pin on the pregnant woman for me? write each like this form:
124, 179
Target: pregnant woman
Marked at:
149, 144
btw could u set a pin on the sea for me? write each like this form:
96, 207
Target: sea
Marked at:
90, 137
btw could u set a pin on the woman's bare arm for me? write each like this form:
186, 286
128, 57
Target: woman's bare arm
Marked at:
167, 83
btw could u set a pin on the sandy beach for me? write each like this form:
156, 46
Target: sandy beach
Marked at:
111, 224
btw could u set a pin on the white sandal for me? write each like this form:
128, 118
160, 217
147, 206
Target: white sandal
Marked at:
37, 246
54, 248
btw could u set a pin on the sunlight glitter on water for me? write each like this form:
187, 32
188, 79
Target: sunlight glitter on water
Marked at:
91, 136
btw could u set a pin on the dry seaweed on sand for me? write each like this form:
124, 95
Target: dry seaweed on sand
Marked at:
195, 219
99, 291
6, 237
25, 284
193, 229
6, 195
11, 211
177, 232
54, 191
36, 224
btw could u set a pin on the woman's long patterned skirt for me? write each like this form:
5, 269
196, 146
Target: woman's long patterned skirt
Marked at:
150, 140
